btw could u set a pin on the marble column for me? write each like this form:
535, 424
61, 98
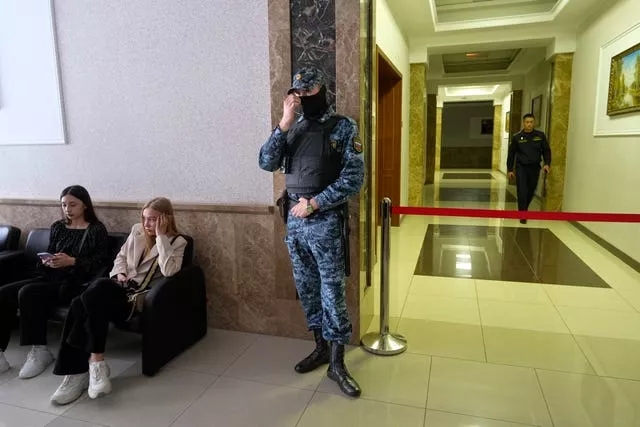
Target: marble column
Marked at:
560, 104
438, 137
497, 137
432, 110
417, 132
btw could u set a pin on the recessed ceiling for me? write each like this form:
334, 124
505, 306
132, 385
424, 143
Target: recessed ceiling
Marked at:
496, 60
470, 90
471, 93
448, 11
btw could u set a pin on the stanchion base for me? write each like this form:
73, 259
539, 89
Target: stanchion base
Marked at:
385, 345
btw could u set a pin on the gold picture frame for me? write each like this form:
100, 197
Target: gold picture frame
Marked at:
624, 82
507, 122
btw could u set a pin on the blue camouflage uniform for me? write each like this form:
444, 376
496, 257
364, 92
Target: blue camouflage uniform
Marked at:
315, 242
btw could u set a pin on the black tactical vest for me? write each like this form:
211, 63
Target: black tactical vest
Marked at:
313, 164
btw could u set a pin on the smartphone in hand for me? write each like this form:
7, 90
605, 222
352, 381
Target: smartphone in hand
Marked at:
45, 256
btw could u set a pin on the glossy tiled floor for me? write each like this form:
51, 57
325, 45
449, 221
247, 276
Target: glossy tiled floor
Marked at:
482, 353
467, 175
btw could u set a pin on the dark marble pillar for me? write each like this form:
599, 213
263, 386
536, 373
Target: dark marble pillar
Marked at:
313, 39
515, 123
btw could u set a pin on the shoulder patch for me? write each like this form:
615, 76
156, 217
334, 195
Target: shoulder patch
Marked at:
357, 144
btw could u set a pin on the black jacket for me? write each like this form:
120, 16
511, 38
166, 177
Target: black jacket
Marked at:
528, 149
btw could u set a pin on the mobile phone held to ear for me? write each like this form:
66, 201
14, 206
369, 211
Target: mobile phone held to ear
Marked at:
44, 255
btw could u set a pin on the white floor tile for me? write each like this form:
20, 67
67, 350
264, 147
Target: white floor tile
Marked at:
589, 401
215, 352
444, 419
271, 360
514, 315
142, 401
602, 323
443, 286
35, 393
485, 390
442, 309
577, 296
546, 350
401, 379
531, 293
68, 422
456, 340
239, 403
328, 410
12, 416
612, 357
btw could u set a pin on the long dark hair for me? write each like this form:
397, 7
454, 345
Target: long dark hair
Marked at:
79, 192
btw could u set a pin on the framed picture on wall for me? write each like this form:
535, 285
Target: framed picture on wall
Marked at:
617, 104
507, 122
536, 108
624, 82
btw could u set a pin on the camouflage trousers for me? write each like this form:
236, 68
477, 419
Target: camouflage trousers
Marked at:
316, 252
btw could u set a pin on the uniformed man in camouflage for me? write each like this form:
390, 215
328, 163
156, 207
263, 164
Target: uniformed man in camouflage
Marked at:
321, 155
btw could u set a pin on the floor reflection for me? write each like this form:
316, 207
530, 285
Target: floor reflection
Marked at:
515, 254
455, 194
467, 175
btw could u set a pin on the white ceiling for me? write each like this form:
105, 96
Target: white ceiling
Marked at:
448, 11
475, 92
483, 60
423, 18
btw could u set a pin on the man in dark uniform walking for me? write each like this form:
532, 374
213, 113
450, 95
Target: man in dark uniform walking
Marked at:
321, 156
525, 151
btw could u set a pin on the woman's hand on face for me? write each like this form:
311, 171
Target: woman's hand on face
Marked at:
61, 260
162, 224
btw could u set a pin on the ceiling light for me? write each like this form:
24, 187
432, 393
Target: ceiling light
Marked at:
471, 55
471, 90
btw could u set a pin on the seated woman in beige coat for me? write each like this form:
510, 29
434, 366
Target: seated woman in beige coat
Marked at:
153, 250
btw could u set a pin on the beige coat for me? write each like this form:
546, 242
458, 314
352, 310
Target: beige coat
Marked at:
169, 256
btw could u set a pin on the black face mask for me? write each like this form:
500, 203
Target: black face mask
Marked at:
315, 106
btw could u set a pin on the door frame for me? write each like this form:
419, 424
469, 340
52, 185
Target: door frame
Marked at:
389, 82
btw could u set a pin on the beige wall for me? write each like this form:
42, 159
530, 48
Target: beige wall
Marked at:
536, 82
602, 173
504, 148
154, 104
392, 42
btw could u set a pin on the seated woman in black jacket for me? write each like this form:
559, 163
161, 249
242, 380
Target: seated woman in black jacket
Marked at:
78, 250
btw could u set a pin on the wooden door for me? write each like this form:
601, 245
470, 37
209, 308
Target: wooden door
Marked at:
389, 133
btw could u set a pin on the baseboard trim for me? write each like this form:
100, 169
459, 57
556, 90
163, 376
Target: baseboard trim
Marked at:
631, 262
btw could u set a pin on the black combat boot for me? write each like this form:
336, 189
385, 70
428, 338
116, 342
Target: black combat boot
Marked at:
317, 358
338, 372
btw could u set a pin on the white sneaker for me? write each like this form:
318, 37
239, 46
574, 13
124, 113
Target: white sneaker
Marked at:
71, 389
38, 359
99, 382
4, 364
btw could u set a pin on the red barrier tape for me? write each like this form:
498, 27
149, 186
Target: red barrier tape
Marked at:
492, 213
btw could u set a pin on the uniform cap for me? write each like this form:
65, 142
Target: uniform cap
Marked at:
306, 79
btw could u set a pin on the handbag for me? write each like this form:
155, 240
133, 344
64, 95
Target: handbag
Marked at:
137, 292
